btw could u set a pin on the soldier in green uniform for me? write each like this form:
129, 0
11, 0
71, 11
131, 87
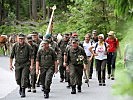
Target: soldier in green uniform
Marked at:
47, 61
33, 71
22, 52
76, 57
53, 44
37, 40
62, 45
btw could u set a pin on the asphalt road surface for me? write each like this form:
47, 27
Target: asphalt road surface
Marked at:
9, 89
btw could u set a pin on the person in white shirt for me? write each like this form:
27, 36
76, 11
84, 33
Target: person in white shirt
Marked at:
87, 44
100, 53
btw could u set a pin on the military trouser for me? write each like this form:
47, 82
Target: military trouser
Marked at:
62, 70
68, 78
22, 76
33, 76
46, 75
76, 73
101, 69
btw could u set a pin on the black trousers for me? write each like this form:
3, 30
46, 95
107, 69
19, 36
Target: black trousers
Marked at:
101, 69
111, 59
91, 67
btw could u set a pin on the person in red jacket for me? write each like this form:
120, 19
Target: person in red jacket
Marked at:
112, 53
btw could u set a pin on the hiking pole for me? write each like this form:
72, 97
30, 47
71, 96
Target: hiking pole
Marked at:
86, 78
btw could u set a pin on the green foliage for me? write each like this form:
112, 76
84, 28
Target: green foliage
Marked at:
87, 15
1, 51
11, 16
124, 82
24, 6
123, 8
5, 29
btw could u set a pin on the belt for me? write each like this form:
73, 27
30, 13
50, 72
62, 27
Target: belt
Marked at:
111, 52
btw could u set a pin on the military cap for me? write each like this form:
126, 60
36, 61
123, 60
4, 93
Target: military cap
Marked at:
66, 34
75, 40
45, 41
29, 38
21, 36
34, 33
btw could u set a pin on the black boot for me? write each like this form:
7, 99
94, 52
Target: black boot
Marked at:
23, 93
79, 88
43, 89
29, 89
69, 86
104, 83
46, 95
100, 83
20, 90
73, 89
112, 74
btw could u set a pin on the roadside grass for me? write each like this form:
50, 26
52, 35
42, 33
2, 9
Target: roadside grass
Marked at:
123, 85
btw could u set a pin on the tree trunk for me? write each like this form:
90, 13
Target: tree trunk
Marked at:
34, 10
17, 9
65, 4
103, 15
49, 12
44, 9
30, 12
41, 3
0, 13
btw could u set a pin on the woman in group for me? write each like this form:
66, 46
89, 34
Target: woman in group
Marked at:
99, 50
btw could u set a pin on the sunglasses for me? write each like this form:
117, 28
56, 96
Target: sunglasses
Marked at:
74, 42
100, 38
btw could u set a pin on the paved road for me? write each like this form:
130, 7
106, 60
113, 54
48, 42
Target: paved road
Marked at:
7, 79
58, 90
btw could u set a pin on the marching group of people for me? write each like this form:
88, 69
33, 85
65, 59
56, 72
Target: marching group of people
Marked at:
36, 60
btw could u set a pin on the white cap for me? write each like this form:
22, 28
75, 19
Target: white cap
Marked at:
101, 35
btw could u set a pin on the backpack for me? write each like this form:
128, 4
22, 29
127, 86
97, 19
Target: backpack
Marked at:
97, 46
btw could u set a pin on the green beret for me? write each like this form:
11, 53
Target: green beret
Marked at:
47, 36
